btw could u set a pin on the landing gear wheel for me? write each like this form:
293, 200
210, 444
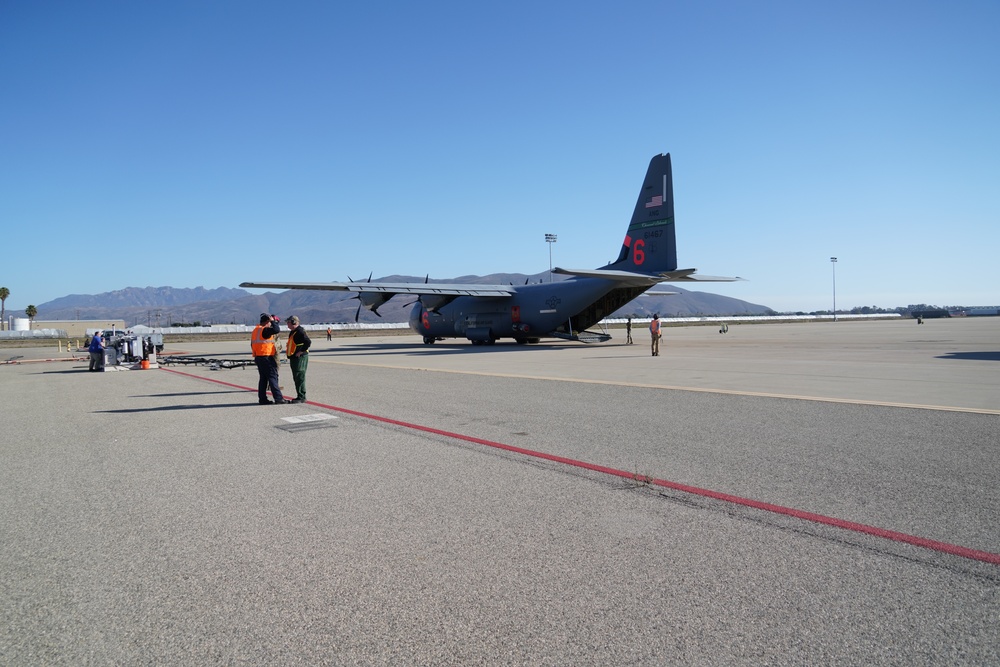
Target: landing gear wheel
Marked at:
429, 340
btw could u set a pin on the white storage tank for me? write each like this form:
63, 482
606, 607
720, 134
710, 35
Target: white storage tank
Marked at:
22, 324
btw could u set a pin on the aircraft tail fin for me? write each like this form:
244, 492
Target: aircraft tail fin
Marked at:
650, 245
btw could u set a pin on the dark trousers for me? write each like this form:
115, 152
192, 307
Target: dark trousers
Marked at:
267, 369
299, 366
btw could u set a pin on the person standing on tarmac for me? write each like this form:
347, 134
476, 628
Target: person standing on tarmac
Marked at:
628, 331
297, 351
262, 343
654, 331
96, 349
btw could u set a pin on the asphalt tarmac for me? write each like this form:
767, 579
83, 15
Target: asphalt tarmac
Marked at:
553, 504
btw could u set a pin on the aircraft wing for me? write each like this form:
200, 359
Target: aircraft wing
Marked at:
441, 289
639, 279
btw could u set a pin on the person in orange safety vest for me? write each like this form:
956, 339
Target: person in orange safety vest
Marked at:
264, 353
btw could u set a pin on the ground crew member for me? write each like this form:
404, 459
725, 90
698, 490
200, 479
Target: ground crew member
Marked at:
329, 333
262, 344
628, 331
654, 331
96, 349
297, 351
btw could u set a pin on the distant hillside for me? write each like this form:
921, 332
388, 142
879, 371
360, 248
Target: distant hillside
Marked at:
143, 297
161, 306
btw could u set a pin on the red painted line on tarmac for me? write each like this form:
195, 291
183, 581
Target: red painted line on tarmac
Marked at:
935, 545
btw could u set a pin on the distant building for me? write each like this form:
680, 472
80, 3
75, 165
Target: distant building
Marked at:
930, 313
78, 328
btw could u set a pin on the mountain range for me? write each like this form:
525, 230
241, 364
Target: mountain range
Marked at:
163, 306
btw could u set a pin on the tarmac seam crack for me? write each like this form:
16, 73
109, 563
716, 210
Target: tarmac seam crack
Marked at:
736, 501
702, 390
643, 484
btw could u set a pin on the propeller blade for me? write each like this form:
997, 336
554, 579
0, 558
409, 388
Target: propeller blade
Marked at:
351, 280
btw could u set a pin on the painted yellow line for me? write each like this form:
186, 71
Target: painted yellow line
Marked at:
703, 390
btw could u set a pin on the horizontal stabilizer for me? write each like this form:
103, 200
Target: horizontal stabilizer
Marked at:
690, 276
639, 279
622, 277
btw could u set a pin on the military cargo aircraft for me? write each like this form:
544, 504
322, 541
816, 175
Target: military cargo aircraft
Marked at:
565, 309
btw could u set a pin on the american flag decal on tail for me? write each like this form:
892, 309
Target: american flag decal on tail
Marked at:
658, 199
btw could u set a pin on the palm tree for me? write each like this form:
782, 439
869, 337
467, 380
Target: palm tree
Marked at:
4, 293
31, 311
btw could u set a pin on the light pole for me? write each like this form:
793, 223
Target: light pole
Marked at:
833, 263
550, 239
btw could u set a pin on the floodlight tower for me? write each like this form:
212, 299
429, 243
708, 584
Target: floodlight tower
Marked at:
833, 263
550, 239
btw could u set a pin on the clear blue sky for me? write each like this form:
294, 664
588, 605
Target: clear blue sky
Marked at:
207, 143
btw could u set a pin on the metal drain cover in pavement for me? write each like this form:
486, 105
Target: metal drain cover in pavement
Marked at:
307, 422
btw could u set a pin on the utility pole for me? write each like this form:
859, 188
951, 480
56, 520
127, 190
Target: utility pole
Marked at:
550, 239
833, 263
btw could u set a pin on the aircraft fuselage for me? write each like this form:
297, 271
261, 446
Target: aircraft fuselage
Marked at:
564, 307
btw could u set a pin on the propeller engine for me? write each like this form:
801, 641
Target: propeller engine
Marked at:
431, 302
370, 300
